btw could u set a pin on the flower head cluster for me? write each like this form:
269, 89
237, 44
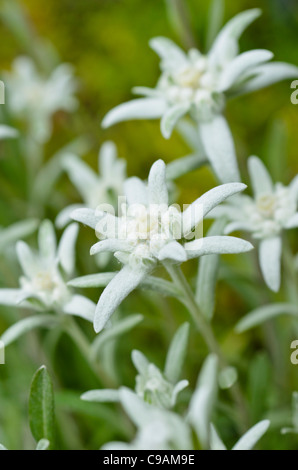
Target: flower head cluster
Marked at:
43, 285
272, 210
95, 189
199, 85
35, 98
147, 234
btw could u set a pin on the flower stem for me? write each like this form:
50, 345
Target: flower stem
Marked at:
83, 345
206, 331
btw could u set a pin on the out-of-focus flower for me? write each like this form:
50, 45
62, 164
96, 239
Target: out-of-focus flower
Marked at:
43, 284
272, 210
200, 85
35, 98
94, 188
149, 231
7, 132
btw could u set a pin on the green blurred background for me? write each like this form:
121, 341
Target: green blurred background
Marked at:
107, 42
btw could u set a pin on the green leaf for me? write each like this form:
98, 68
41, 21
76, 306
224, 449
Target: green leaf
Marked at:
43, 444
176, 354
120, 328
41, 406
262, 314
28, 324
17, 231
208, 273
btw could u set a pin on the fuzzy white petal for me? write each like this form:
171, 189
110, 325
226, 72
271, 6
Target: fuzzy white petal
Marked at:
173, 251
157, 186
143, 108
195, 213
66, 248
270, 261
81, 307
259, 176
135, 191
110, 245
171, 117
217, 245
86, 217
47, 241
120, 287
220, 149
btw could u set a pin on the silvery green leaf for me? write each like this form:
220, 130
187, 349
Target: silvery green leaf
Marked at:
215, 441
80, 174
102, 280
92, 280
157, 186
266, 75
145, 91
177, 353
270, 261
207, 274
7, 132
140, 361
203, 399
111, 245
171, 55
41, 406
10, 297
136, 191
138, 411
171, 117
101, 396
26, 259
227, 377
115, 331
241, 64
259, 176
43, 444
81, 307
27, 324
217, 245
220, 149
189, 132
143, 108
292, 222
265, 313
116, 291
184, 165
47, 241
87, 217
66, 248
17, 231
225, 46
250, 439
195, 213
215, 20
173, 251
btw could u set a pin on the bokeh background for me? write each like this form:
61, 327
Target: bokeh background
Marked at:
107, 42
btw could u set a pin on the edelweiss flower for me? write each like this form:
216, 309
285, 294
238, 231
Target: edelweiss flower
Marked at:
151, 386
43, 285
272, 210
95, 189
149, 231
200, 85
35, 98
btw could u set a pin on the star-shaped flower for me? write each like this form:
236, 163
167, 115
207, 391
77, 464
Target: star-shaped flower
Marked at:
35, 98
94, 188
149, 231
199, 85
272, 210
43, 284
